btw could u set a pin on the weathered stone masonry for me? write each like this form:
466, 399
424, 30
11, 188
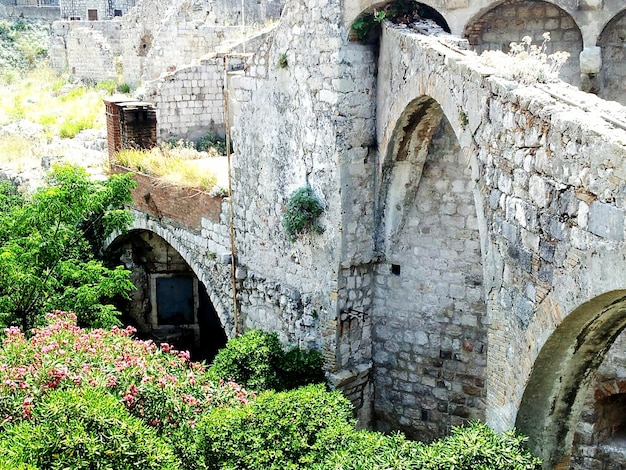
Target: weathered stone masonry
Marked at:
472, 263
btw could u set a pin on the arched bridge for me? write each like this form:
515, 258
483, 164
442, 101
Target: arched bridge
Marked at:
506, 204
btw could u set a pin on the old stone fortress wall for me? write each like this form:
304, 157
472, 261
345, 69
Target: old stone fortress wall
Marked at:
472, 263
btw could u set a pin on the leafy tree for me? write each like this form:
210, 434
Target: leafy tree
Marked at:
48, 246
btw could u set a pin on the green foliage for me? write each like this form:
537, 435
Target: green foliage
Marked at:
69, 129
303, 209
48, 246
84, 429
249, 360
471, 447
123, 88
278, 430
257, 361
397, 11
298, 367
212, 141
283, 61
158, 386
23, 44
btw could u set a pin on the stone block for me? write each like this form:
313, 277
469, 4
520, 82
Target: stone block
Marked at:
606, 221
590, 4
591, 60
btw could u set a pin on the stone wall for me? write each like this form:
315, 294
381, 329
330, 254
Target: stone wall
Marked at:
430, 337
598, 442
162, 36
548, 164
190, 100
73, 41
512, 20
305, 87
94, 9
613, 74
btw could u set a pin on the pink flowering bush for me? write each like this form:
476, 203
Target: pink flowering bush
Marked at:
158, 385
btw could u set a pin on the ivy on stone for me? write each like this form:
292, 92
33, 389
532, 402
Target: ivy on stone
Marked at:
303, 210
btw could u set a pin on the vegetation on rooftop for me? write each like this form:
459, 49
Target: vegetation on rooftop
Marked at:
178, 163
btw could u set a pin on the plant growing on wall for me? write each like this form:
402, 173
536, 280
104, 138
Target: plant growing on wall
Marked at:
399, 11
527, 62
303, 210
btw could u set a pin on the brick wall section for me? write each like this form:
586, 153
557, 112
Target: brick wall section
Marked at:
184, 206
130, 124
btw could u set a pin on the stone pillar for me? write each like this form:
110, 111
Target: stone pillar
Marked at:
590, 65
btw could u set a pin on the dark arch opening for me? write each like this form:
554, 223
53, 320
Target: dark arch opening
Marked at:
366, 27
563, 371
170, 304
613, 73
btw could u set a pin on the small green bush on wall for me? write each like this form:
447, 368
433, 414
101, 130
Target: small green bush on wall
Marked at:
303, 209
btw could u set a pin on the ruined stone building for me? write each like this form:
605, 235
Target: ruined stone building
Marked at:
472, 263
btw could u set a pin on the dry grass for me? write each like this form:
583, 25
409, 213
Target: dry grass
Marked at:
45, 98
180, 166
18, 149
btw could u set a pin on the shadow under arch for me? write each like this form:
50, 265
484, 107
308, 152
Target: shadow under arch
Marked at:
403, 164
562, 372
613, 71
172, 303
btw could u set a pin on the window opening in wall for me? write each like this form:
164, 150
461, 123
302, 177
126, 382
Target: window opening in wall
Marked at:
92, 15
117, 12
175, 299
74, 18
395, 269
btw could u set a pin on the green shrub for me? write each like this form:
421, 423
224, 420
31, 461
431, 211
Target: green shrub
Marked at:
212, 141
278, 430
303, 209
249, 360
474, 446
69, 129
256, 361
84, 429
298, 367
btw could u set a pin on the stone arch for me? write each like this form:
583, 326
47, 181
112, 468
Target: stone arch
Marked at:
613, 72
430, 352
428, 12
510, 20
170, 303
562, 373
212, 272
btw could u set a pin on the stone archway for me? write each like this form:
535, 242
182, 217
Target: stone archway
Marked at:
562, 373
511, 20
170, 303
430, 341
396, 11
613, 73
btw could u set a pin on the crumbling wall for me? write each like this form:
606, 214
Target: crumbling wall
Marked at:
613, 74
512, 20
75, 41
85, 42
190, 101
163, 36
